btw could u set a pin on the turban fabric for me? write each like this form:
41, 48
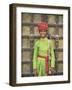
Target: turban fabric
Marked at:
43, 26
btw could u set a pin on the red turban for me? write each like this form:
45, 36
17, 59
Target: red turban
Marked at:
43, 26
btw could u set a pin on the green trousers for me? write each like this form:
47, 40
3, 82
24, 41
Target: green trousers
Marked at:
41, 71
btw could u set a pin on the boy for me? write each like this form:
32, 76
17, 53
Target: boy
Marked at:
43, 52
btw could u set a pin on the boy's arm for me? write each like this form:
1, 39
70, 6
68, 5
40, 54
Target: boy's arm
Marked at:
35, 54
52, 54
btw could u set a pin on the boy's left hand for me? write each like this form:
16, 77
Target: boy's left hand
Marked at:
52, 70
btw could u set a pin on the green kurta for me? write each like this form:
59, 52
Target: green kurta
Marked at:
43, 47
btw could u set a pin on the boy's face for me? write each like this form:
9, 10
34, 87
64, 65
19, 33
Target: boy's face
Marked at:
42, 34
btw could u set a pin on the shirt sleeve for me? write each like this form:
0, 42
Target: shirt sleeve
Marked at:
52, 54
35, 54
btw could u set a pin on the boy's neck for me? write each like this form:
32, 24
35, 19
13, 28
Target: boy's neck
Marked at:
42, 38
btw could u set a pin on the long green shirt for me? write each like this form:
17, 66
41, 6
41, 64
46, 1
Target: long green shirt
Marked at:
43, 47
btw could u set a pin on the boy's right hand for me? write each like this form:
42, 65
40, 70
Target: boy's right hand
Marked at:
35, 72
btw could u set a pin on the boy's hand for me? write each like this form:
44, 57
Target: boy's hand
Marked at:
51, 70
35, 72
